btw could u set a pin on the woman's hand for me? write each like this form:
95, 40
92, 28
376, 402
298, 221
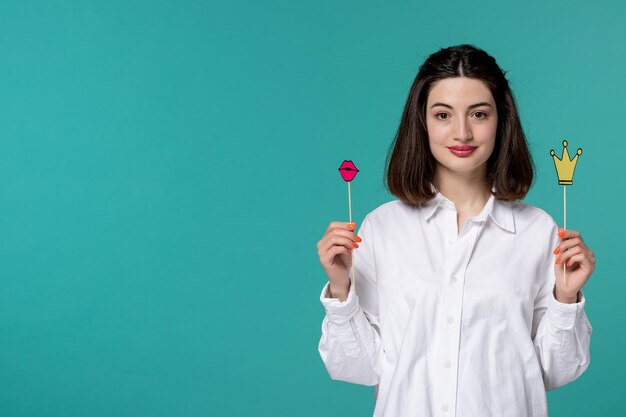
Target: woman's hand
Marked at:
335, 252
579, 263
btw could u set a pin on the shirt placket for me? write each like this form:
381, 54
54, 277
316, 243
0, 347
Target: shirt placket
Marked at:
458, 249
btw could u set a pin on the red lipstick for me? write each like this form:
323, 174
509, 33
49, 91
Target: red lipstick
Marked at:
462, 150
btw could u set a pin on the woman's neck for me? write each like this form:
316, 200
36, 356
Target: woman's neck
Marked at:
468, 192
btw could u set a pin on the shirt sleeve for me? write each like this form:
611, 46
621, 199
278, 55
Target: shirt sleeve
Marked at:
561, 333
350, 345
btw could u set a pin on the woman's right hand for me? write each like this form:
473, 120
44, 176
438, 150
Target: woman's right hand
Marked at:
335, 252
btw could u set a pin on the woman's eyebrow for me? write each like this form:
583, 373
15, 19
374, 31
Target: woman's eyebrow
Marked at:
482, 103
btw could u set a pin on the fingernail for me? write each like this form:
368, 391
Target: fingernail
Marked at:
562, 233
351, 226
355, 244
557, 250
358, 239
558, 261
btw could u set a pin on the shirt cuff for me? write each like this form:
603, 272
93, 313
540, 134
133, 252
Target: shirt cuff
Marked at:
339, 311
564, 316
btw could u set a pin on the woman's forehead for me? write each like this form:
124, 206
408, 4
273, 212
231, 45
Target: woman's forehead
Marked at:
459, 91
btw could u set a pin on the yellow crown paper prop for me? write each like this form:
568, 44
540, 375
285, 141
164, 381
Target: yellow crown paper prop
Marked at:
565, 166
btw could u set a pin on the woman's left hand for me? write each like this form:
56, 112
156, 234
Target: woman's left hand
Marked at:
579, 261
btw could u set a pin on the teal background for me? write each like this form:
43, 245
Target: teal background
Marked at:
167, 168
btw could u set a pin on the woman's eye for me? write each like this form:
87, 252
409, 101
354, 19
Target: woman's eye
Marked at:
480, 115
442, 116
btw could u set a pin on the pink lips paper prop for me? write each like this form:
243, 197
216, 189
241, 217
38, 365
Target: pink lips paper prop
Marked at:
348, 171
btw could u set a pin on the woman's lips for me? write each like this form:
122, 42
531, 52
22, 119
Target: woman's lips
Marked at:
462, 150
348, 171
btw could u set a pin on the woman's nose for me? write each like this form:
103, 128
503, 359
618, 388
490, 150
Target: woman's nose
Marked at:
462, 130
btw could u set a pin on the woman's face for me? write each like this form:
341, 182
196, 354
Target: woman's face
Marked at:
462, 119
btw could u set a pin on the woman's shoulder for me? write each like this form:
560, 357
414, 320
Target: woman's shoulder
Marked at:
391, 211
528, 215
389, 206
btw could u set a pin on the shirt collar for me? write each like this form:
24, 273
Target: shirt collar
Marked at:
430, 207
500, 211
502, 214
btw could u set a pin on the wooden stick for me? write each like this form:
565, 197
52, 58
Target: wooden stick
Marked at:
350, 214
349, 203
564, 228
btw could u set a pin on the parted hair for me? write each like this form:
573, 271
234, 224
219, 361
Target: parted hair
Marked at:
410, 165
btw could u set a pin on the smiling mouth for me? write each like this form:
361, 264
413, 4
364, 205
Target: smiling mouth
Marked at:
464, 150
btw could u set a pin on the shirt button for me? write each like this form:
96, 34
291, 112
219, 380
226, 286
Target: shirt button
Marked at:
445, 407
450, 241
454, 278
450, 319
447, 364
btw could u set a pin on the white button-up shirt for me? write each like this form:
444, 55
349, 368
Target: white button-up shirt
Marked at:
456, 324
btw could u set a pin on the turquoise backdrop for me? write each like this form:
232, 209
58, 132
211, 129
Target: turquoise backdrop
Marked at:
167, 168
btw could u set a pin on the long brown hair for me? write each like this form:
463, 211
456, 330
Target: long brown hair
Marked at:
410, 163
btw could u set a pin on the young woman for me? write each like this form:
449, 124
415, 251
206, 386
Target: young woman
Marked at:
461, 307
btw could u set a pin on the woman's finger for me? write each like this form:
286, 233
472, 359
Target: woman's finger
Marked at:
337, 232
341, 226
568, 244
329, 258
565, 256
335, 229
333, 240
568, 234
579, 259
